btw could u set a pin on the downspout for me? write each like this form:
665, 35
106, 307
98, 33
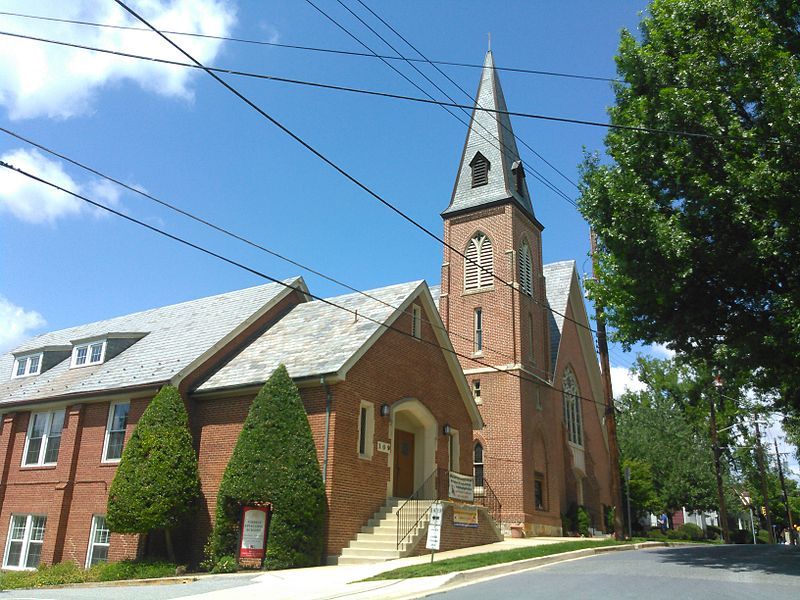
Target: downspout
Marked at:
328, 401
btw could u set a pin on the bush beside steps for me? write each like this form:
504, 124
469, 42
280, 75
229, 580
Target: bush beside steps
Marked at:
69, 572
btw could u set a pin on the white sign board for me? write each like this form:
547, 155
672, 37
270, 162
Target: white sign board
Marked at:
435, 526
461, 487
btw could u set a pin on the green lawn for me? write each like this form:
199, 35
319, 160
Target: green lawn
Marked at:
69, 572
474, 561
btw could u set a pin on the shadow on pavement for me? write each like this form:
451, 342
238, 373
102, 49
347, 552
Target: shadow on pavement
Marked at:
777, 559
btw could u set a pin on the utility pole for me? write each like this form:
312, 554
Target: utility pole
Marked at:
792, 537
764, 493
611, 418
723, 511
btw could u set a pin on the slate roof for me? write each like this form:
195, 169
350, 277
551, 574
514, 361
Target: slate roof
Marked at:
314, 338
490, 134
558, 280
436, 293
176, 336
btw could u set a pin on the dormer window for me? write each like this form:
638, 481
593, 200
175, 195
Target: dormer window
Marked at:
519, 176
30, 364
480, 170
92, 353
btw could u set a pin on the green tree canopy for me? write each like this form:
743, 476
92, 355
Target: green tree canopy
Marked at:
700, 236
156, 485
662, 434
275, 460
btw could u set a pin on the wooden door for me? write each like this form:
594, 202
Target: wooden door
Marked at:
403, 463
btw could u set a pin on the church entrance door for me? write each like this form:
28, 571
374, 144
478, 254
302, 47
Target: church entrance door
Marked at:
403, 463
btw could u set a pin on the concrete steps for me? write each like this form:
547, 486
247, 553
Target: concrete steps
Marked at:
377, 540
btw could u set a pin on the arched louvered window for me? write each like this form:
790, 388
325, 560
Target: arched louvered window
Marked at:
477, 465
573, 417
525, 269
480, 170
479, 266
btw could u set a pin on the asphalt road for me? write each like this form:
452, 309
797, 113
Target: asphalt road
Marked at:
691, 572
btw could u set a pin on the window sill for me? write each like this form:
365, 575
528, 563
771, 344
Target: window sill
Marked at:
45, 467
110, 463
477, 354
365, 456
488, 288
9, 568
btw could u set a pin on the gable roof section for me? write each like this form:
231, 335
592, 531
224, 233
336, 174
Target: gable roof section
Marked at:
177, 337
317, 339
558, 280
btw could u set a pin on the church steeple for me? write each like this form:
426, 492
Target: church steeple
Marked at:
490, 171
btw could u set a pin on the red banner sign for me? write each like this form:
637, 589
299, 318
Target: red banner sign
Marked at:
255, 521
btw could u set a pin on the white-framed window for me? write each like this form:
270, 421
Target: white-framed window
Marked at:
99, 542
525, 269
416, 321
24, 544
115, 431
453, 451
43, 439
477, 334
476, 391
479, 265
573, 416
30, 364
91, 353
366, 429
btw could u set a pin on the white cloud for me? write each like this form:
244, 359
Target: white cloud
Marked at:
45, 80
16, 324
661, 351
624, 380
30, 200
34, 202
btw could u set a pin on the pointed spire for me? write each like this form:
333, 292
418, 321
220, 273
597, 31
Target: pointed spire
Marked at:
491, 136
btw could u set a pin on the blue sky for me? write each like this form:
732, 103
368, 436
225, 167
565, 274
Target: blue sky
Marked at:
184, 139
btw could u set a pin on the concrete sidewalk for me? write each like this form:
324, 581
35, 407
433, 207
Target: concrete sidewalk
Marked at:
327, 583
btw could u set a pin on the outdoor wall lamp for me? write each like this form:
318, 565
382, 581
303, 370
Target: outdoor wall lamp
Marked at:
384, 410
446, 429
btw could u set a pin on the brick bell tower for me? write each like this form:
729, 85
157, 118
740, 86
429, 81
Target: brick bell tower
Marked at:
494, 307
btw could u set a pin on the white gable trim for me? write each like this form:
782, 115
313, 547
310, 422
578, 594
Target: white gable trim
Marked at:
432, 314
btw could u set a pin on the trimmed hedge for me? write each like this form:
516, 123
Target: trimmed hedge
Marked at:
156, 485
275, 460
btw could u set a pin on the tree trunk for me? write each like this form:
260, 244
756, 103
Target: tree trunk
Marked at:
168, 542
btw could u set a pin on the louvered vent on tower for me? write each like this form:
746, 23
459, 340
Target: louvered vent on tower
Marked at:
480, 170
525, 270
479, 265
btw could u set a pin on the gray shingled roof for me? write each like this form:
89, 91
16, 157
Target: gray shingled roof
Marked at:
490, 134
558, 279
314, 338
436, 293
176, 336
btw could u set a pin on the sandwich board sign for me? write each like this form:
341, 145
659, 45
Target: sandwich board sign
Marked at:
435, 527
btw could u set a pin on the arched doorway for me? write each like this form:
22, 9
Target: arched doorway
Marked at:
413, 459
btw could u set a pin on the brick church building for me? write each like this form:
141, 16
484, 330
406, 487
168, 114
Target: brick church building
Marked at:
491, 373
523, 325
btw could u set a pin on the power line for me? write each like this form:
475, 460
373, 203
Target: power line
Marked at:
312, 48
240, 238
524, 115
536, 174
465, 92
270, 278
331, 163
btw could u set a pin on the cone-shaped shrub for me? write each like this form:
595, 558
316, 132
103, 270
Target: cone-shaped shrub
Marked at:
275, 461
156, 484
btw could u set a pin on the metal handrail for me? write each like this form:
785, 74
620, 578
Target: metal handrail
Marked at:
488, 499
413, 510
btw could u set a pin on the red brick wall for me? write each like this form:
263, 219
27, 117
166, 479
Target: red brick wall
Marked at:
519, 438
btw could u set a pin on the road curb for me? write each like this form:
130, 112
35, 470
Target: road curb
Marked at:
474, 575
